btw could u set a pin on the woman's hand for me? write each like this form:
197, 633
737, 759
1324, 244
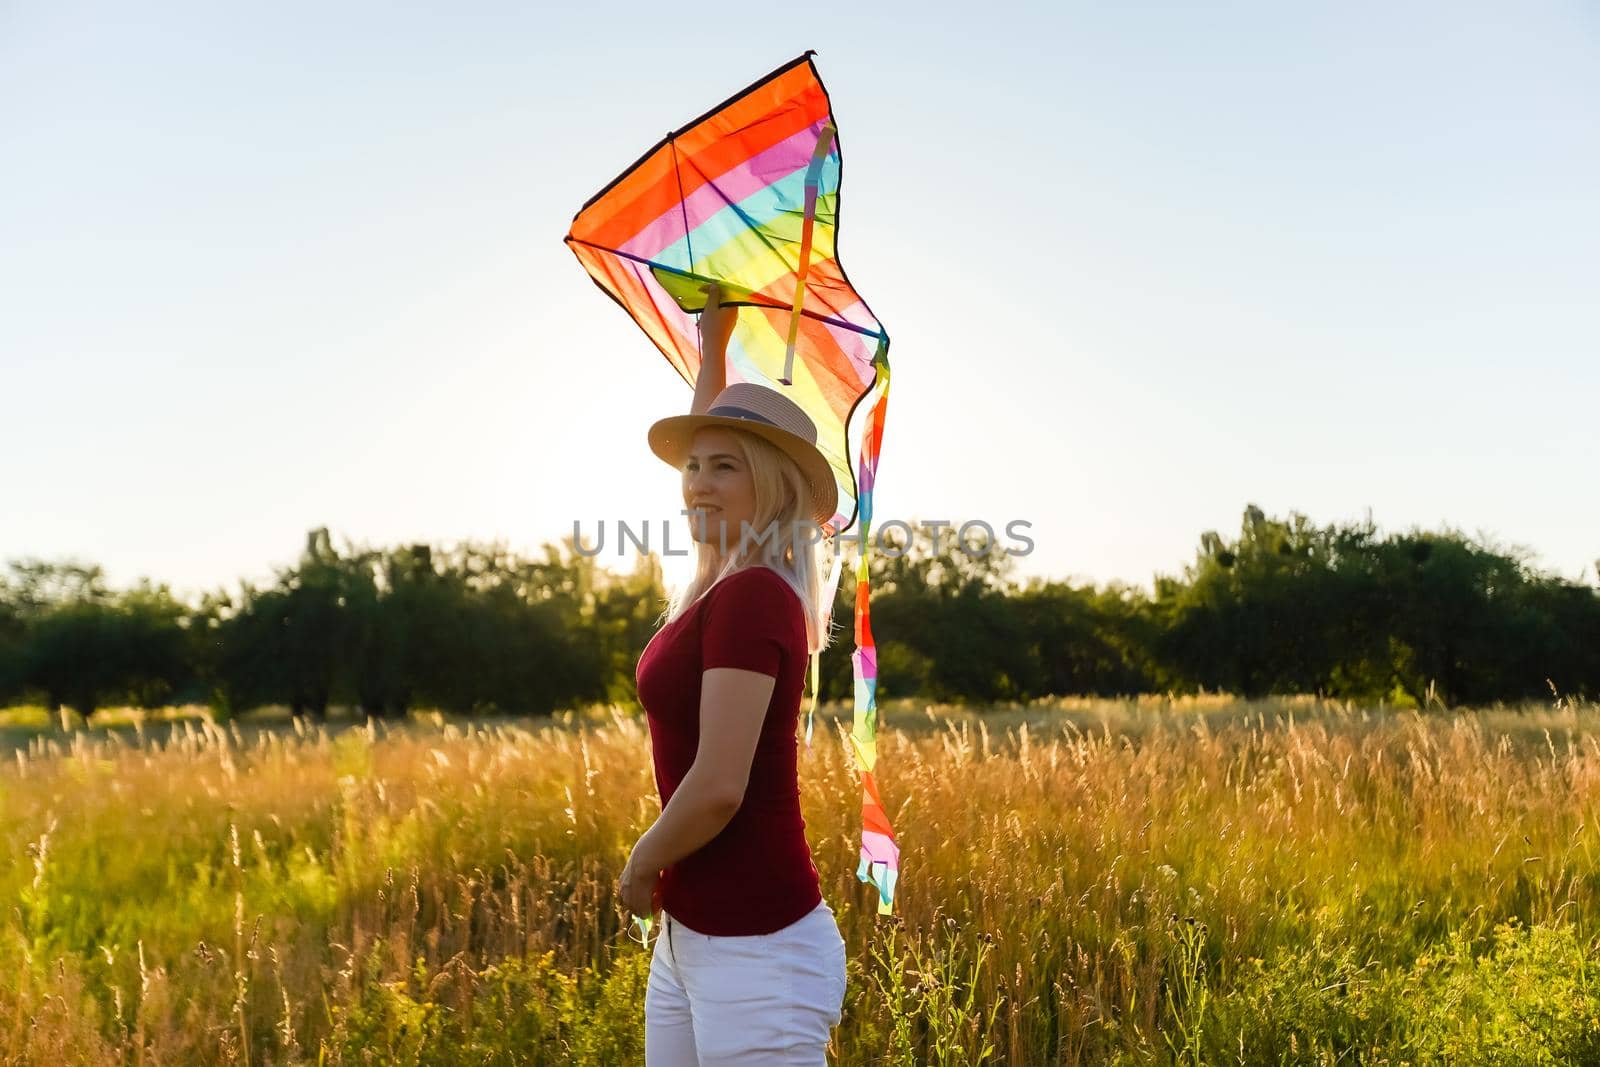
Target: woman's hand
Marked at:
716, 322
639, 885
716, 326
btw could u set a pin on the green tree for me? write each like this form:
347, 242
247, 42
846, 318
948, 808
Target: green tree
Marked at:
942, 619
1259, 614
1087, 640
1292, 607
94, 650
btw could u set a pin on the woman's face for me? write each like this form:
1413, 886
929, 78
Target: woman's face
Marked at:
717, 488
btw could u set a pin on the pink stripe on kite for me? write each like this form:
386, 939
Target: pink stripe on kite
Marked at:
879, 848
867, 661
672, 317
748, 178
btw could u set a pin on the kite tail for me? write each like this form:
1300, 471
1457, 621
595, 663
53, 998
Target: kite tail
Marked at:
880, 855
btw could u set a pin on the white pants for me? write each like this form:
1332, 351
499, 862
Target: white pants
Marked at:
744, 1001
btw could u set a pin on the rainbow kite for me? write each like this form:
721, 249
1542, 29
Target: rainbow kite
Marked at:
747, 196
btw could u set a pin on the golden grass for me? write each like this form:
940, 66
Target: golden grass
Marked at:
1084, 881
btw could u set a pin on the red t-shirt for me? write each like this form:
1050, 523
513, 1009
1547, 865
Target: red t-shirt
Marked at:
756, 875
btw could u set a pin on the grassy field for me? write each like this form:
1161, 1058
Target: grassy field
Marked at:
1199, 881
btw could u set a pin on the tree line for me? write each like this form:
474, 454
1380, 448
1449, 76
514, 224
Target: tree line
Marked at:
474, 630
1285, 606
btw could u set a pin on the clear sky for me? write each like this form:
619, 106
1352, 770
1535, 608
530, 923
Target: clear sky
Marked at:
271, 267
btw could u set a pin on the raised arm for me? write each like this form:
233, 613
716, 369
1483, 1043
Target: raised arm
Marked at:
716, 326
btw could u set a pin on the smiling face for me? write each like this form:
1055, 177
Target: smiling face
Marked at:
718, 488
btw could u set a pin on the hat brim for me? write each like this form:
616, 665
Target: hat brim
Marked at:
671, 437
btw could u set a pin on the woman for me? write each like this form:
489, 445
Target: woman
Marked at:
749, 967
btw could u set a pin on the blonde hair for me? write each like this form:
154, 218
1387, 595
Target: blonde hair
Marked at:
783, 510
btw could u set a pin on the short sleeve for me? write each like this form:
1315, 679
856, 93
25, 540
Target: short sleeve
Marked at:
749, 622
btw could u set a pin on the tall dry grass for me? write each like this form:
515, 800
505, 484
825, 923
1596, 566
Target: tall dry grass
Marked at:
1152, 881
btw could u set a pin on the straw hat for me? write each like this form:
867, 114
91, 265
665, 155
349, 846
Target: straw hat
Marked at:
769, 415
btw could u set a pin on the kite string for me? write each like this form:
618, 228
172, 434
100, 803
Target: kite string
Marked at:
830, 589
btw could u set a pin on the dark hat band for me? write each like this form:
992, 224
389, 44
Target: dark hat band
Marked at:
742, 413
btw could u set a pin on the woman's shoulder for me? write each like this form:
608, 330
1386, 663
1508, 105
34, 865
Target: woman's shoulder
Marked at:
757, 581
756, 572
